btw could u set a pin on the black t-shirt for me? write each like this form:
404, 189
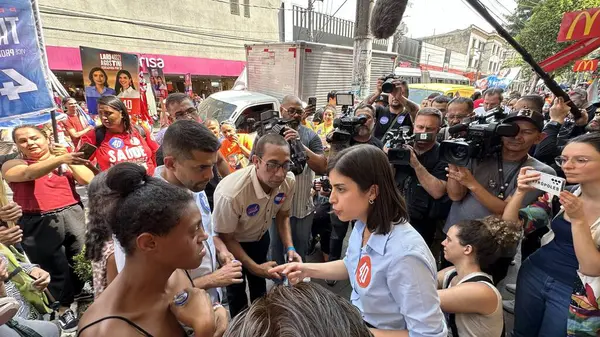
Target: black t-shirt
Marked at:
385, 119
373, 141
421, 205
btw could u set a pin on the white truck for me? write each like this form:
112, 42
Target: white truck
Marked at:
307, 69
304, 69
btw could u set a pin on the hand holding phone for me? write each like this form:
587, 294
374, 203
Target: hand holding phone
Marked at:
88, 150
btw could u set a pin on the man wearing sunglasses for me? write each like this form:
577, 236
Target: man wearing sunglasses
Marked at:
302, 212
246, 202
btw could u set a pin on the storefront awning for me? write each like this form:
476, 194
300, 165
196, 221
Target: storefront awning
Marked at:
69, 59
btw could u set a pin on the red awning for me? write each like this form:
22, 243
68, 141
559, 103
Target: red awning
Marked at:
69, 59
571, 53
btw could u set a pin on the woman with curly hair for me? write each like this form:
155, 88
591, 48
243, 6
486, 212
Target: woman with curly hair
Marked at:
466, 293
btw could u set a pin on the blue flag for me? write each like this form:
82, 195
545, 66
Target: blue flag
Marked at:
23, 88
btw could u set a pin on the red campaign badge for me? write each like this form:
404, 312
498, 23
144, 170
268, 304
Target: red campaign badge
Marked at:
363, 273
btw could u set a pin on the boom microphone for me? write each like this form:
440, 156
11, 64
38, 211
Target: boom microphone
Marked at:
386, 17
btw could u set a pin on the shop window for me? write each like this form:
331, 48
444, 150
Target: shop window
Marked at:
247, 8
235, 7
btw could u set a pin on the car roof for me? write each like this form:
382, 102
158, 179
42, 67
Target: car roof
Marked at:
242, 97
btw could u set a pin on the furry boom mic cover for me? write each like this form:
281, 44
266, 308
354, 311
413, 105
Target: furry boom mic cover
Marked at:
386, 17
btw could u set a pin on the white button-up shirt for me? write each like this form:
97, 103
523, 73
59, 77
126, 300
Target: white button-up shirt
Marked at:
394, 282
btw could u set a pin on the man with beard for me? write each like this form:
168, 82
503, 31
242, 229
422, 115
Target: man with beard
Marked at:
424, 183
401, 111
364, 133
246, 202
303, 207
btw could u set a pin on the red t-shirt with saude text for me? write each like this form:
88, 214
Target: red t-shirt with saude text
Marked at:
123, 148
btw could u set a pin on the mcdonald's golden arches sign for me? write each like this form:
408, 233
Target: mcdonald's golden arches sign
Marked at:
585, 65
580, 25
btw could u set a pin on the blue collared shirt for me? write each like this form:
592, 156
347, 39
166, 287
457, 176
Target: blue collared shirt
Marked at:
393, 281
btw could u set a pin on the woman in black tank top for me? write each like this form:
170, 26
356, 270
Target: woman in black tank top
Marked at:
160, 229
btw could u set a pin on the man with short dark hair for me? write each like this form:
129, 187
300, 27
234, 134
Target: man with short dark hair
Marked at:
492, 98
400, 111
364, 133
181, 106
441, 103
460, 109
246, 202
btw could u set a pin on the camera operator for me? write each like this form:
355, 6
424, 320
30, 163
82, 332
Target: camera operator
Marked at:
364, 133
302, 206
485, 188
492, 98
424, 186
400, 110
459, 109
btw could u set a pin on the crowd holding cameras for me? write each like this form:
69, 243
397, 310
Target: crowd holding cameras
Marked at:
183, 234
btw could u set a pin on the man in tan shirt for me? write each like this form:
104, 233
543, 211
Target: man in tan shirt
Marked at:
246, 201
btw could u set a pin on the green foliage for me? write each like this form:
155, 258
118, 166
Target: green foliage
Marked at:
535, 25
83, 267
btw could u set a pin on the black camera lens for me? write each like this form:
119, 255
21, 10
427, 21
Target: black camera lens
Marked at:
457, 153
388, 86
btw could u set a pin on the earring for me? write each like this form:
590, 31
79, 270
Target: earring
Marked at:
371, 201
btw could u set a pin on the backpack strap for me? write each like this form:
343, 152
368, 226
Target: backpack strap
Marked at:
100, 134
452, 317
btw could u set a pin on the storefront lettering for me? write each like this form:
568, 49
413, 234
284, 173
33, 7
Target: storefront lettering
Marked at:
151, 62
8, 25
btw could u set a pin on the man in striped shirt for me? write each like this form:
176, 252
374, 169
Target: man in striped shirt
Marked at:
302, 207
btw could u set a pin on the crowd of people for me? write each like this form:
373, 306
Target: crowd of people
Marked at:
185, 227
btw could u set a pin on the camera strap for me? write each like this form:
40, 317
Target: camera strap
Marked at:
504, 184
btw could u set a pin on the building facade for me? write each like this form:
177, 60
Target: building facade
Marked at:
204, 38
485, 52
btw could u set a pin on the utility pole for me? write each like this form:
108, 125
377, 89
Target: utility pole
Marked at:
363, 49
309, 12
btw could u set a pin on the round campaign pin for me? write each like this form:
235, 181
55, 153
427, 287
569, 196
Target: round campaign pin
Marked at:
363, 273
116, 143
384, 120
181, 298
279, 198
252, 210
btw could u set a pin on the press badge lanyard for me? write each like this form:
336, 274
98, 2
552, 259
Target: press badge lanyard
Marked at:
511, 176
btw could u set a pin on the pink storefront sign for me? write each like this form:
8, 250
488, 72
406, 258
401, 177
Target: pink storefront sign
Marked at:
69, 59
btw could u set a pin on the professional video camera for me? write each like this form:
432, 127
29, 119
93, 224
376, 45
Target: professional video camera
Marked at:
388, 86
483, 138
394, 140
325, 184
344, 129
271, 123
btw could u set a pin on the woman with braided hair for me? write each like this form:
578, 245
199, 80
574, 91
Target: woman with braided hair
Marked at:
467, 294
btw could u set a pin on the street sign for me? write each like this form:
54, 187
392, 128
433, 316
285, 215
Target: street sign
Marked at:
585, 65
23, 86
580, 25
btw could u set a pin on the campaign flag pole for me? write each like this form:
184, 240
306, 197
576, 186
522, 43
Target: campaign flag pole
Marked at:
549, 81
